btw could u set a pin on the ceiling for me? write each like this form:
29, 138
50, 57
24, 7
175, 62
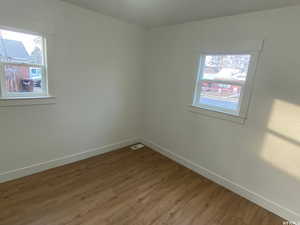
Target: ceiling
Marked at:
151, 13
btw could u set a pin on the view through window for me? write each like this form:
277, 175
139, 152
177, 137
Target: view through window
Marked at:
22, 64
221, 82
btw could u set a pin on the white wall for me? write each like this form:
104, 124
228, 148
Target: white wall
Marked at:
263, 155
95, 73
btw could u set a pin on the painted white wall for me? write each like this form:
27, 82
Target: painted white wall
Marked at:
264, 154
95, 65
96, 73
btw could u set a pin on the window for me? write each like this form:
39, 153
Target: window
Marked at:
223, 83
23, 68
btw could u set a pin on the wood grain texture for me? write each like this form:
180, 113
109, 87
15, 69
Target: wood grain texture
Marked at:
125, 187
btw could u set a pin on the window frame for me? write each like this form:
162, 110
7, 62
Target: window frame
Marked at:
246, 86
4, 94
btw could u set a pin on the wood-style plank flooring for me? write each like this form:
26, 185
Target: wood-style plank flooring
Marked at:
125, 187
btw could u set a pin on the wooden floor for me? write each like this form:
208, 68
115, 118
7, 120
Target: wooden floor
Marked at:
125, 188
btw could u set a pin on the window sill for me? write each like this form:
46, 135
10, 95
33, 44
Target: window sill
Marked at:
27, 101
217, 115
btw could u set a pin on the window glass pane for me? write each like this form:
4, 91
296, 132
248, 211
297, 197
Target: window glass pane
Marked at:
226, 67
20, 48
22, 79
224, 96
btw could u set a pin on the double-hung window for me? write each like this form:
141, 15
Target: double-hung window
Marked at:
224, 82
23, 67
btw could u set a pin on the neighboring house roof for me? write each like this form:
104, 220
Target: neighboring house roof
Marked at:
13, 50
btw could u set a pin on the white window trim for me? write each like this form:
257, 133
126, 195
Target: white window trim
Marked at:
246, 90
25, 101
20, 99
215, 114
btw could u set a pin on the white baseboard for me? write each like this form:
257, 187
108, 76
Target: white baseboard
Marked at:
236, 188
39, 167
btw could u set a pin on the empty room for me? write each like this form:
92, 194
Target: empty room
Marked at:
149, 112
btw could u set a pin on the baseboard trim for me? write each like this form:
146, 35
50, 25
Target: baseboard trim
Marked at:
234, 187
39, 167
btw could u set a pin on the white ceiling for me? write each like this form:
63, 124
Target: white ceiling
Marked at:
153, 13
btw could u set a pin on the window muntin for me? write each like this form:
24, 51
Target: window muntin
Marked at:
221, 82
22, 65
